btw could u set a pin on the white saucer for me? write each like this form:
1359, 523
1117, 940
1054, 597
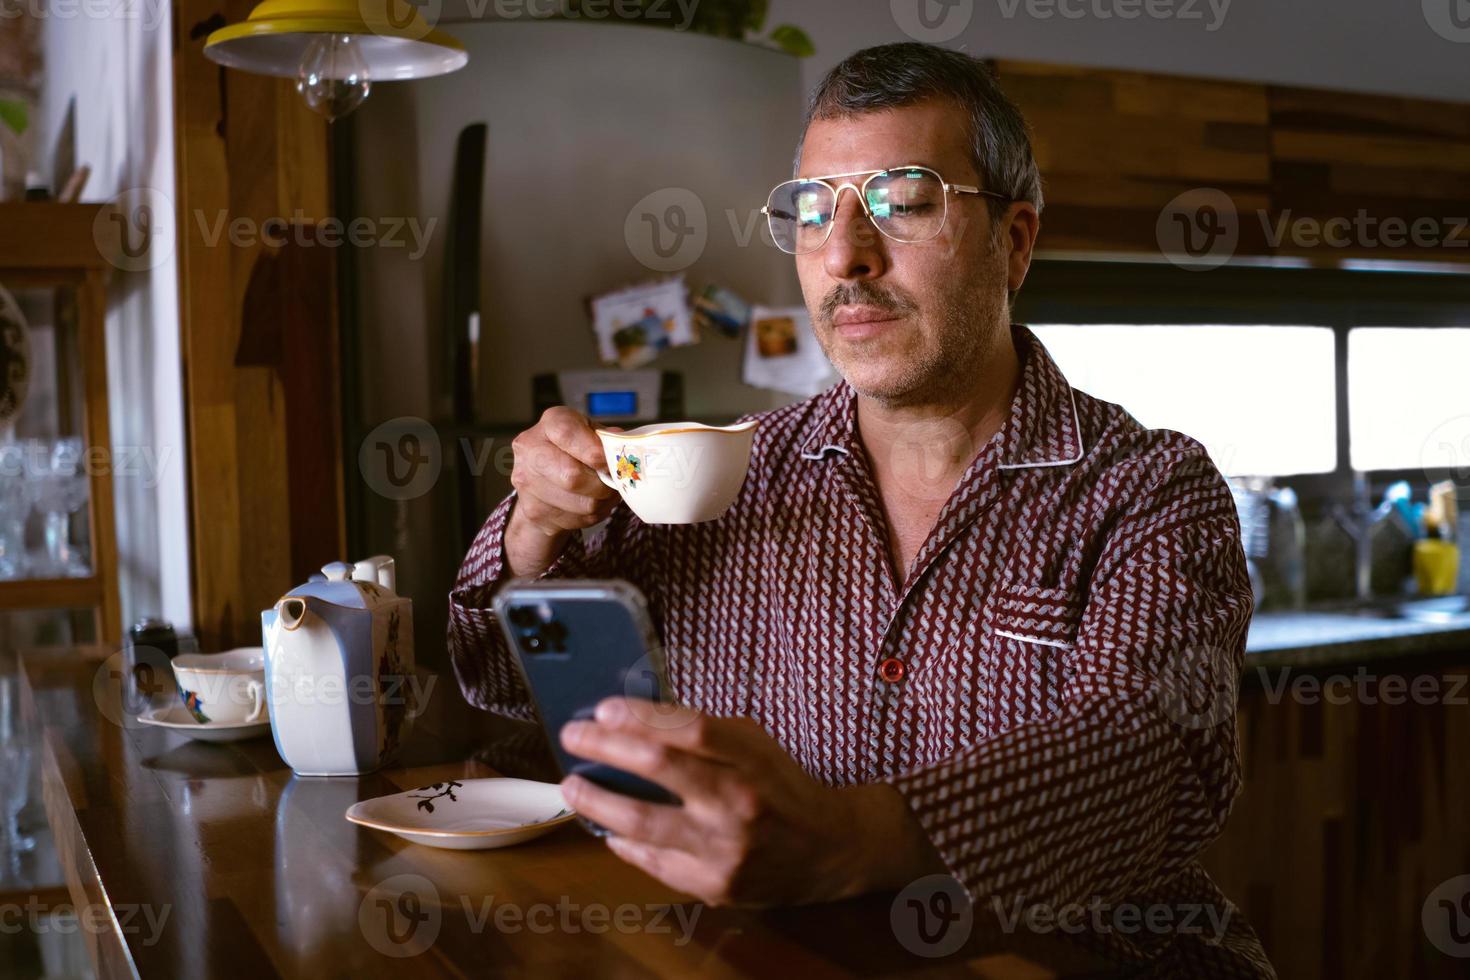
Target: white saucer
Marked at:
177, 718
481, 814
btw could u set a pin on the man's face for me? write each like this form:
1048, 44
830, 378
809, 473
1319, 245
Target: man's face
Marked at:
904, 323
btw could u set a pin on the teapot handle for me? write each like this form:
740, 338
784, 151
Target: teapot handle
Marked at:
379, 569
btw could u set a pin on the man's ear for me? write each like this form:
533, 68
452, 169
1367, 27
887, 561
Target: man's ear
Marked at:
1022, 224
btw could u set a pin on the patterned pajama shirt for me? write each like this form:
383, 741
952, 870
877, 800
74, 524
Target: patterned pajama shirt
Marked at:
1051, 688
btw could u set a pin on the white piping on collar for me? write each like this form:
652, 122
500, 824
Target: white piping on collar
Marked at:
1081, 446
822, 452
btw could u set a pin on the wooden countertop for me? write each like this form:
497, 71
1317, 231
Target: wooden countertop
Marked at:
193, 859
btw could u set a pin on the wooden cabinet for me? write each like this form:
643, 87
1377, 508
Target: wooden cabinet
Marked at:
1355, 806
57, 247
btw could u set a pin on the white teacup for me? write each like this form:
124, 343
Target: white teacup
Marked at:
678, 472
223, 688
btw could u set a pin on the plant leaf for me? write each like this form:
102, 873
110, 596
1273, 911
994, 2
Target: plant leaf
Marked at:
14, 115
755, 14
793, 40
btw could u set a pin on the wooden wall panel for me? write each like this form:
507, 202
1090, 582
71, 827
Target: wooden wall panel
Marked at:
248, 149
1115, 148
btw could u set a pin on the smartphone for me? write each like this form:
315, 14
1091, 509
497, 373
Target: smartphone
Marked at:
578, 641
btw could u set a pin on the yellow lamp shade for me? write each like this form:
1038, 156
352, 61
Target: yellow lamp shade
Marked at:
391, 36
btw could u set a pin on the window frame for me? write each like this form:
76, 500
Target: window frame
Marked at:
1107, 292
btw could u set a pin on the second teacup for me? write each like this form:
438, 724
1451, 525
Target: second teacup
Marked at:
678, 472
226, 688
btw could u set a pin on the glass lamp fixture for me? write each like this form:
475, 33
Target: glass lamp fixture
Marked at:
336, 49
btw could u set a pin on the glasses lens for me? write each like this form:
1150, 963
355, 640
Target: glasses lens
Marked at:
801, 215
907, 205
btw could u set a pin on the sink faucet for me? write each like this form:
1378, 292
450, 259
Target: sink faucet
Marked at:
1357, 520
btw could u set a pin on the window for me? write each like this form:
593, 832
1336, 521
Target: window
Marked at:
1409, 397
1261, 398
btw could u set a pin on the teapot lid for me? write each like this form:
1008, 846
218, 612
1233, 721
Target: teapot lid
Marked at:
336, 585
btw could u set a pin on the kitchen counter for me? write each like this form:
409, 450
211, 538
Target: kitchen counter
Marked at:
1353, 636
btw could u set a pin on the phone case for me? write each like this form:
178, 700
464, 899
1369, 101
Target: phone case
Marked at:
577, 641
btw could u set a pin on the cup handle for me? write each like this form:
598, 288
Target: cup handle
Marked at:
257, 693
606, 478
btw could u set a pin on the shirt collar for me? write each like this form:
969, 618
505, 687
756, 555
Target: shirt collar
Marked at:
1042, 428
835, 427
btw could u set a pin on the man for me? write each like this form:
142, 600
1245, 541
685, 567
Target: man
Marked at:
962, 618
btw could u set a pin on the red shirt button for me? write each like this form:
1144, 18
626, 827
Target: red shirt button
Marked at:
891, 670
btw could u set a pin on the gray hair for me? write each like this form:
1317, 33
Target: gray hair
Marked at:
891, 76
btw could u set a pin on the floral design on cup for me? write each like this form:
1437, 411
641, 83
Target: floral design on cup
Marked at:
195, 705
630, 469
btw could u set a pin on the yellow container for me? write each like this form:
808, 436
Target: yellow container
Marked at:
1436, 566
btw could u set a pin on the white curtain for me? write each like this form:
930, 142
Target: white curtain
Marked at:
117, 72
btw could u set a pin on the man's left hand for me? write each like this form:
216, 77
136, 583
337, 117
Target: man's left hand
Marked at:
754, 828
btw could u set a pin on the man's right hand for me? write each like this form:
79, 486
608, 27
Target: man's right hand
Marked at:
557, 489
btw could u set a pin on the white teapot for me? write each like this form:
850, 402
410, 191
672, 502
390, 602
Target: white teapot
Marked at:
339, 665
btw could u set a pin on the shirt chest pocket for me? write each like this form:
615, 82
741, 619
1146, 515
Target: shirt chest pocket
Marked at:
1028, 637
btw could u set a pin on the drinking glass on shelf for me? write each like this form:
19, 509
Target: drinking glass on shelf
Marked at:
60, 490
16, 759
15, 772
15, 505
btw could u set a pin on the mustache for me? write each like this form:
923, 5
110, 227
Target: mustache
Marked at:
865, 294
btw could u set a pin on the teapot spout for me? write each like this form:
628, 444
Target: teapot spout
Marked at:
292, 611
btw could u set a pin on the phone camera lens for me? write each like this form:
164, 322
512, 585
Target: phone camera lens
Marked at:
555, 634
523, 616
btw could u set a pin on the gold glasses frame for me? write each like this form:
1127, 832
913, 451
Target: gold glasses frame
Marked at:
861, 190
